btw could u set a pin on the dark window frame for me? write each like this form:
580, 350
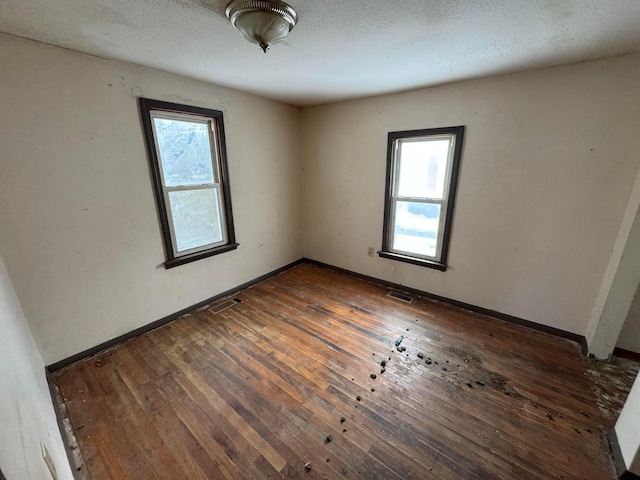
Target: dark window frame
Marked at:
387, 251
148, 105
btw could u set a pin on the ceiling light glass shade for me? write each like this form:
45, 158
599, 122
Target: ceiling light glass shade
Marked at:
263, 22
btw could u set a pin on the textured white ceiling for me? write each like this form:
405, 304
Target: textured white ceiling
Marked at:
339, 49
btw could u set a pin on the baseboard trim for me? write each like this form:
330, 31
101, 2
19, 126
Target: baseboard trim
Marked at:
618, 460
163, 321
628, 354
579, 339
574, 337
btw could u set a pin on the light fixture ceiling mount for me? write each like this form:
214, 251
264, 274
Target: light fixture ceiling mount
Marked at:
263, 22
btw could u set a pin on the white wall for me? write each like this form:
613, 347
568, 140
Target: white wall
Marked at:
548, 164
628, 429
547, 170
26, 412
80, 235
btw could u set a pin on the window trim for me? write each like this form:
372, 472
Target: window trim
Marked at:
219, 151
389, 202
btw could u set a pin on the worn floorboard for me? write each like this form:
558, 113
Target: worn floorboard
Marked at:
256, 391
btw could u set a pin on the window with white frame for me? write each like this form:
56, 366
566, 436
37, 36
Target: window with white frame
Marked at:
422, 172
187, 154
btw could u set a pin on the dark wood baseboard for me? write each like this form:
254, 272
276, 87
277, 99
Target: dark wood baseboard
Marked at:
580, 339
163, 321
574, 337
621, 468
628, 354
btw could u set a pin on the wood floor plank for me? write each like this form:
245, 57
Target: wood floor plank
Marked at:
214, 433
228, 406
258, 391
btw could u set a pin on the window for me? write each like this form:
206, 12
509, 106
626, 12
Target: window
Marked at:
422, 171
187, 154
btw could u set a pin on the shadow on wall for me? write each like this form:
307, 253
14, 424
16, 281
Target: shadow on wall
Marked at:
630, 335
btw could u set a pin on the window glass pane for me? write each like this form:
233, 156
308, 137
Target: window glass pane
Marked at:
422, 168
185, 152
416, 227
196, 218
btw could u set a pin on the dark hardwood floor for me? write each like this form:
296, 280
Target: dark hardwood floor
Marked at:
259, 390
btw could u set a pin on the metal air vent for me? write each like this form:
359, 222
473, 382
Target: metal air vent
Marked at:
403, 297
223, 305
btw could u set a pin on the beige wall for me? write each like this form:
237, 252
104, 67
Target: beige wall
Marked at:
80, 235
547, 170
549, 161
548, 166
26, 413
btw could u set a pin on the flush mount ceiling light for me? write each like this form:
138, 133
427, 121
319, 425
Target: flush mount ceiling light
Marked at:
263, 22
